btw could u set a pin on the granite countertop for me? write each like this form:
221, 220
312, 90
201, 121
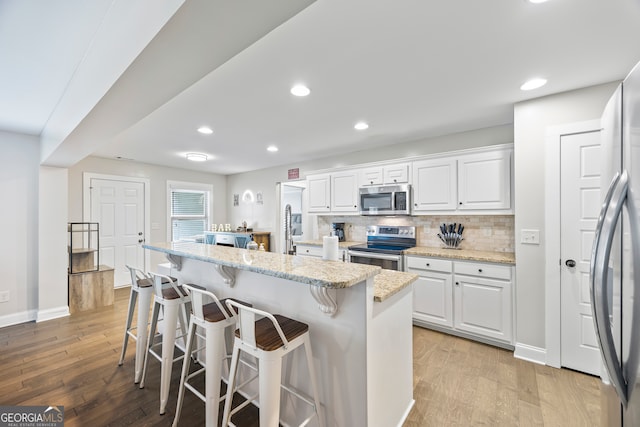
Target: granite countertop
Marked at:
390, 282
312, 271
463, 254
318, 242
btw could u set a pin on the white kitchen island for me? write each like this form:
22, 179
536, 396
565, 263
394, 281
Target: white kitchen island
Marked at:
362, 348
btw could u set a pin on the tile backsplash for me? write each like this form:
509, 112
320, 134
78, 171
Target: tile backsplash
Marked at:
481, 232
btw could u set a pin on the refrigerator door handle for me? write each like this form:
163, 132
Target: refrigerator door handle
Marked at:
599, 269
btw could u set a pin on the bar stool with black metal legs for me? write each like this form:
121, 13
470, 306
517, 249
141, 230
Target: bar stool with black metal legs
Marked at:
172, 300
142, 287
269, 339
212, 315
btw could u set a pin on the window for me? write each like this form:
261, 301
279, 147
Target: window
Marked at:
189, 211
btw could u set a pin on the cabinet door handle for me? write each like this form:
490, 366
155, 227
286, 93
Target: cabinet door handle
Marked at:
415, 204
460, 203
371, 182
428, 265
479, 270
457, 283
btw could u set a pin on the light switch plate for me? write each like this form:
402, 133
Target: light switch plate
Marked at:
530, 237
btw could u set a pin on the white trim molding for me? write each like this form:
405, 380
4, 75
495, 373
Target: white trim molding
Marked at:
530, 353
52, 313
552, 234
17, 318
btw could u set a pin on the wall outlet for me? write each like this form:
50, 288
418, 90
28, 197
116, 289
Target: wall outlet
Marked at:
530, 237
4, 296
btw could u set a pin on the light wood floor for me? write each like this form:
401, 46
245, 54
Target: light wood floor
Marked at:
458, 382
73, 362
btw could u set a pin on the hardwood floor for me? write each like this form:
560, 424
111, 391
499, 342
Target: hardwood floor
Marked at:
73, 362
458, 382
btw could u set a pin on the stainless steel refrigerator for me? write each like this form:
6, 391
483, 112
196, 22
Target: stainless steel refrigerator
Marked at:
615, 259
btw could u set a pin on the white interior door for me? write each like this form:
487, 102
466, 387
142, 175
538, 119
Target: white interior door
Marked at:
580, 160
118, 206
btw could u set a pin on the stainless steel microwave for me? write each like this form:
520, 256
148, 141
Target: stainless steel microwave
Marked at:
385, 200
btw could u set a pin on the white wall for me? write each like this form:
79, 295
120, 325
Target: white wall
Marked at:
52, 244
263, 217
158, 177
531, 120
19, 217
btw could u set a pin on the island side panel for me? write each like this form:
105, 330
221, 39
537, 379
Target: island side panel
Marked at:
338, 343
390, 359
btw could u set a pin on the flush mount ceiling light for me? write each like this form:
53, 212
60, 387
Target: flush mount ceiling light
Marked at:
206, 130
300, 90
361, 126
536, 1
197, 157
272, 148
533, 84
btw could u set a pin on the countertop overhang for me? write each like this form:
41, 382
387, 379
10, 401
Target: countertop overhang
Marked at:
329, 274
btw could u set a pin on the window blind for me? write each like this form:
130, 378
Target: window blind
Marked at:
189, 214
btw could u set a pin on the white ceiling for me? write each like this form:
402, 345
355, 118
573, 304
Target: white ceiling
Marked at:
412, 69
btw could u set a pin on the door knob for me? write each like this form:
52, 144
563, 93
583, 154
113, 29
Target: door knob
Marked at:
570, 263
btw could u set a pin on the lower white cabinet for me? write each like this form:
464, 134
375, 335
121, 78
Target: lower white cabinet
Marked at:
316, 252
471, 299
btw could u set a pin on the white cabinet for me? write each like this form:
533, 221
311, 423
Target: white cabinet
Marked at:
319, 187
433, 291
484, 180
316, 252
466, 298
334, 192
435, 185
344, 191
372, 176
483, 301
470, 182
389, 174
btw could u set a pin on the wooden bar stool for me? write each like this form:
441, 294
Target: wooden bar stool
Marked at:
212, 315
269, 339
171, 299
142, 286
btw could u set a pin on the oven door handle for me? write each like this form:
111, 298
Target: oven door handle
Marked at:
375, 255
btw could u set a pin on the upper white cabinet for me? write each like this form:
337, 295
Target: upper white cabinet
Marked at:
435, 185
484, 180
319, 187
372, 176
389, 174
334, 192
476, 181
344, 191
469, 182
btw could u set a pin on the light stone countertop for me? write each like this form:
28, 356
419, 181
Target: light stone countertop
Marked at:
390, 282
318, 242
312, 271
463, 254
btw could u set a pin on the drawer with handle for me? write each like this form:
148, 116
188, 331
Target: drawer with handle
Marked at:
483, 270
429, 264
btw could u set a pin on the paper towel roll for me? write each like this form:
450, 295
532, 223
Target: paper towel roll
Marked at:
330, 248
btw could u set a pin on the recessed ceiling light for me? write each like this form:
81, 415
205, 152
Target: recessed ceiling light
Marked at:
361, 126
300, 90
205, 130
537, 1
272, 148
533, 84
196, 157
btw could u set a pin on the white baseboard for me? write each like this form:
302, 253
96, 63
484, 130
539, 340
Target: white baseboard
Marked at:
52, 313
406, 413
530, 353
16, 318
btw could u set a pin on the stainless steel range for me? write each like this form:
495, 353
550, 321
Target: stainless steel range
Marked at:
384, 246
